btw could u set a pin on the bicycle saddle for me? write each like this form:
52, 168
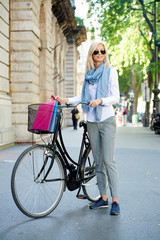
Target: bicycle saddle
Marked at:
83, 124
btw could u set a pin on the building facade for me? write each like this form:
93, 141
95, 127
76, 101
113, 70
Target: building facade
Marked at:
38, 58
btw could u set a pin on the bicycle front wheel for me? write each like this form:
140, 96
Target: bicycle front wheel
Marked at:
34, 195
89, 179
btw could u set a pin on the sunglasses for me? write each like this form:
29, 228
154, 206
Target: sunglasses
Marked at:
102, 52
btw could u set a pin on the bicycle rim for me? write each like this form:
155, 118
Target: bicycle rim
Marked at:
89, 184
34, 197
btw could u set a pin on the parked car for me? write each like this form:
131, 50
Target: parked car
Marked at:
155, 123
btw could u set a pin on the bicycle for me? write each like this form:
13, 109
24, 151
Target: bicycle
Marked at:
44, 171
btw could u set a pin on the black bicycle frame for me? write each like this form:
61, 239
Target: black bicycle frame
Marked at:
63, 152
62, 149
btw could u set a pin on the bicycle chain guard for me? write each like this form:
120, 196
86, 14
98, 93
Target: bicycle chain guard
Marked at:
72, 184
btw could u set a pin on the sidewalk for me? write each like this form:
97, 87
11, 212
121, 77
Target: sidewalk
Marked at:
138, 162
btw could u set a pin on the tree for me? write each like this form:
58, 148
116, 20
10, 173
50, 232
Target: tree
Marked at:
135, 17
131, 59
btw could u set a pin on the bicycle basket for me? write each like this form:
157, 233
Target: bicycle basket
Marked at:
42, 118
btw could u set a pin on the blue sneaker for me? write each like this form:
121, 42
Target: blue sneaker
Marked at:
115, 209
100, 203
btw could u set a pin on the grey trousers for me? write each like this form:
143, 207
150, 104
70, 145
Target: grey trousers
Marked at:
102, 138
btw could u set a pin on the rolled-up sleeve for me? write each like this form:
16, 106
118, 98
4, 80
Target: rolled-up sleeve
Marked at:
113, 89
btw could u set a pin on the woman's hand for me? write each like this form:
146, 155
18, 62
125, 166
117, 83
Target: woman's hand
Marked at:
61, 100
95, 102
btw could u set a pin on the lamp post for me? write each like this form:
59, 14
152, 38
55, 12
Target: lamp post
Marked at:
131, 93
156, 91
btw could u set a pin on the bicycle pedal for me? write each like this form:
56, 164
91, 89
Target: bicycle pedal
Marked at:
81, 196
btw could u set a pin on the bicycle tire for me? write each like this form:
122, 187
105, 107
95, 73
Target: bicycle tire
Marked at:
89, 179
36, 198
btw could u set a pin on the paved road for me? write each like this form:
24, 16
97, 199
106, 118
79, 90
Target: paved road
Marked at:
138, 160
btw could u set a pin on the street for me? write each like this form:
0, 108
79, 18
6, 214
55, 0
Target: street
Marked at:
138, 163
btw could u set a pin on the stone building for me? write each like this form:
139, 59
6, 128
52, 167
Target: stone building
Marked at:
38, 57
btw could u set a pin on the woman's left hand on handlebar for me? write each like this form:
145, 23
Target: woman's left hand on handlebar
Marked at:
95, 102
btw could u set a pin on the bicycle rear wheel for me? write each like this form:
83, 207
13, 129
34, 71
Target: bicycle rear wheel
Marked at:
34, 196
89, 179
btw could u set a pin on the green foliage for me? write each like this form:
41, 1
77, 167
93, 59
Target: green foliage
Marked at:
127, 27
125, 81
154, 67
92, 30
79, 21
130, 51
130, 54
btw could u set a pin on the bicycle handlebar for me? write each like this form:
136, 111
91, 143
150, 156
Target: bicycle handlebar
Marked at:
71, 106
68, 105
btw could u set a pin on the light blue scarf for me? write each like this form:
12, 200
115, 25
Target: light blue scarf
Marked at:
100, 76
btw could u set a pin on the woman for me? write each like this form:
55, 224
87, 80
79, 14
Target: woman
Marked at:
75, 117
101, 90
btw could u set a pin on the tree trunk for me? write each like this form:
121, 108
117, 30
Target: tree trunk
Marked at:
150, 85
135, 91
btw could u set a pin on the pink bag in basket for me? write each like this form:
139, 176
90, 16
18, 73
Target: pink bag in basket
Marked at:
54, 118
44, 116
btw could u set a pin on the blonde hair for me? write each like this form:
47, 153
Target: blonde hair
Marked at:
90, 62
